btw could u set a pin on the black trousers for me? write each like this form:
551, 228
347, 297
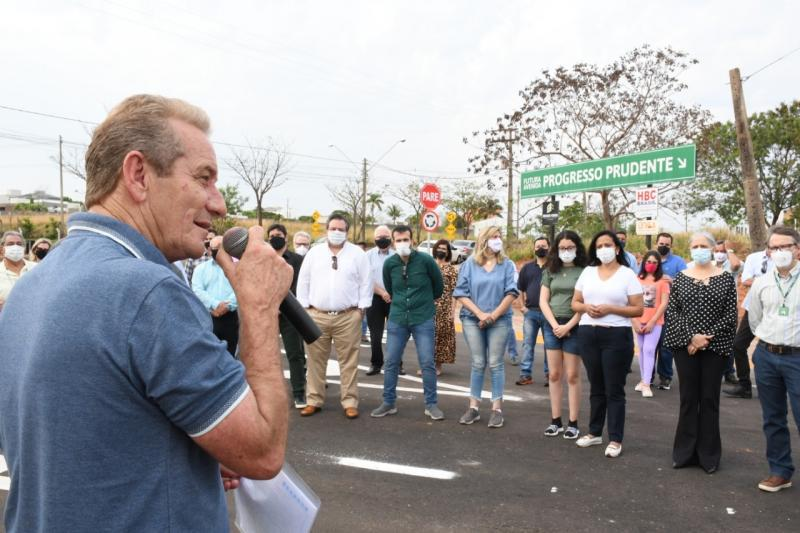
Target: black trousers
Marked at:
295, 354
606, 354
226, 328
741, 342
377, 314
697, 439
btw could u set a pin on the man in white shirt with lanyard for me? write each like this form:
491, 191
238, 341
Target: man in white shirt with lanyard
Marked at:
775, 319
336, 287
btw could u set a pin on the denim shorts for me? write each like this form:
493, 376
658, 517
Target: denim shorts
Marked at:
567, 344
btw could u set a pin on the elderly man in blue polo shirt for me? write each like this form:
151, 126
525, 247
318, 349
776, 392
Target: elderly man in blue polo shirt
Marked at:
120, 413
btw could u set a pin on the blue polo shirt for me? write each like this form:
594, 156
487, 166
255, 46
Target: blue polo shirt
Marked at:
672, 264
109, 367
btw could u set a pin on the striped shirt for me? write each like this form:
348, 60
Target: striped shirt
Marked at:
773, 318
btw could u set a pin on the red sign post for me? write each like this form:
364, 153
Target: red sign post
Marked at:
430, 196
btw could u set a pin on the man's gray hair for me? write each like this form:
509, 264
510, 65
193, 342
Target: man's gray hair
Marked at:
705, 235
301, 234
785, 231
11, 233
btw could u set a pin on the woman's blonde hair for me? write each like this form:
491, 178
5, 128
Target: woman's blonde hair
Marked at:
31, 255
140, 123
482, 244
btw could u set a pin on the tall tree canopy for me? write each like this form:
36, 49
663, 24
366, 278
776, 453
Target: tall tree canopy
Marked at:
589, 112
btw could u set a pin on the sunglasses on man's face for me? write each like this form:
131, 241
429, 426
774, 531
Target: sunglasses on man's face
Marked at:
335, 263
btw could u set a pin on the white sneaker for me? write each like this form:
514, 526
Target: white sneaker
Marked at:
639, 387
647, 393
588, 440
613, 450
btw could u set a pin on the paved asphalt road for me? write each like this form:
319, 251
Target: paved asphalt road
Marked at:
514, 478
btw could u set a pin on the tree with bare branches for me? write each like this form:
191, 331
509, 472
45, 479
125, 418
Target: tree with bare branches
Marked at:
470, 203
73, 163
262, 168
589, 112
348, 194
408, 194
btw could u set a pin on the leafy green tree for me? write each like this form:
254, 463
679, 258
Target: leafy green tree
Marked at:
471, 203
776, 148
573, 217
234, 201
374, 201
394, 213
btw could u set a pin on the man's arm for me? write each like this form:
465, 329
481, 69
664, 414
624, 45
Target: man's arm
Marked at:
303, 283
199, 288
755, 308
251, 440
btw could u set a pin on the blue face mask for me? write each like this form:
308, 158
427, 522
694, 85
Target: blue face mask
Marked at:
701, 256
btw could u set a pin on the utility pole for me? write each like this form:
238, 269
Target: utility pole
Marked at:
364, 201
752, 195
519, 193
509, 142
61, 177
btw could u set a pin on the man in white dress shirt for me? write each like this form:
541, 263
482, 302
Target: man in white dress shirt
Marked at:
336, 287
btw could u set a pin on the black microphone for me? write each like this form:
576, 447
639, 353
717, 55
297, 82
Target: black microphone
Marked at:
234, 242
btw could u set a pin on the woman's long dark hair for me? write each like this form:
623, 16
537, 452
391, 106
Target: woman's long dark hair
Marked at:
659, 271
554, 263
594, 261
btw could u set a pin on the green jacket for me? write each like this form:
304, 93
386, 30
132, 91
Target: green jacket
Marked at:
413, 288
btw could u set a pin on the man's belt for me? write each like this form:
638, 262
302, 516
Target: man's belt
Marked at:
780, 349
334, 313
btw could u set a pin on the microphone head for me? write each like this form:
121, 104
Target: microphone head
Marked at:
235, 241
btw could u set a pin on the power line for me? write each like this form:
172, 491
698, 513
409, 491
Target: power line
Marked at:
770, 64
49, 115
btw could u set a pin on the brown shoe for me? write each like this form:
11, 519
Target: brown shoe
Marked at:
774, 484
525, 380
309, 410
351, 412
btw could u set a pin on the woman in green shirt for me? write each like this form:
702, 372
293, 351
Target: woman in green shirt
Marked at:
565, 262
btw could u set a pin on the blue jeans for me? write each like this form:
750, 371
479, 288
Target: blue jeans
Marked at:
534, 322
777, 376
396, 339
511, 344
664, 367
487, 347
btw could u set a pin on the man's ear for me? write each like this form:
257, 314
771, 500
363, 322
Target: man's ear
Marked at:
135, 176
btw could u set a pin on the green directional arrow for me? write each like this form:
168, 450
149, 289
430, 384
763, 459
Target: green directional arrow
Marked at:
667, 164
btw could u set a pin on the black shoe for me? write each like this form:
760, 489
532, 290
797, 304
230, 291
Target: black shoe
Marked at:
664, 383
373, 370
740, 390
547, 380
401, 371
731, 379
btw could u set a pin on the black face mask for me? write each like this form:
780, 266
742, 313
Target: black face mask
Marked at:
540, 252
663, 250
438, 254
40, 253
277, 243
214, 254
622, 244
383, 243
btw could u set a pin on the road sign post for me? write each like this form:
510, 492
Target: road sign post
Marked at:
430, 196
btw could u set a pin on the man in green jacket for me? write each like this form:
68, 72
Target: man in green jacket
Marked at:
414, 281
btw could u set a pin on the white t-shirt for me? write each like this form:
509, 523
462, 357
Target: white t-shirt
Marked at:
613, 291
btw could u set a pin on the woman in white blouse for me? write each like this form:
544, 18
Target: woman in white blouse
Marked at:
608, 295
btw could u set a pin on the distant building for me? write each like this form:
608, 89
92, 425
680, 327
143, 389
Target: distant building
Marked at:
14, 197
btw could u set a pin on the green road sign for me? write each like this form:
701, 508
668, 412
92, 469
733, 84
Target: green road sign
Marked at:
667, 164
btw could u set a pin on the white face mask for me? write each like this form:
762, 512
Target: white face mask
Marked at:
336, 237
781, 258
720, 257
606, 255
301, 249
403, 249
495, 244
567, 257
14, 253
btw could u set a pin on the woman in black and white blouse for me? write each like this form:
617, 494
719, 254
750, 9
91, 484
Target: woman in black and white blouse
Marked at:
701, 324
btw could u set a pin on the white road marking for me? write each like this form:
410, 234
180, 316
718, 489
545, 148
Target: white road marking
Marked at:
731, 510
394, 468
5, 482
554, 490
457, 390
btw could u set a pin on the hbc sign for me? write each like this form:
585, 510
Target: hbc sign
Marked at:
647, 203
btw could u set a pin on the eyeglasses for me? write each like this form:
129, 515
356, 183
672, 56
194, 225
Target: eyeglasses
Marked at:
335, 264
568, 249
781, 248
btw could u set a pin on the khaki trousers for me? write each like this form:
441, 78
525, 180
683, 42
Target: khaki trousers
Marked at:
344, 332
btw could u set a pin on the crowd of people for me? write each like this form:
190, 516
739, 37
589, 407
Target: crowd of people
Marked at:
174, 355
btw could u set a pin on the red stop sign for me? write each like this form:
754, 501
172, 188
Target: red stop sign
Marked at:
430, 195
